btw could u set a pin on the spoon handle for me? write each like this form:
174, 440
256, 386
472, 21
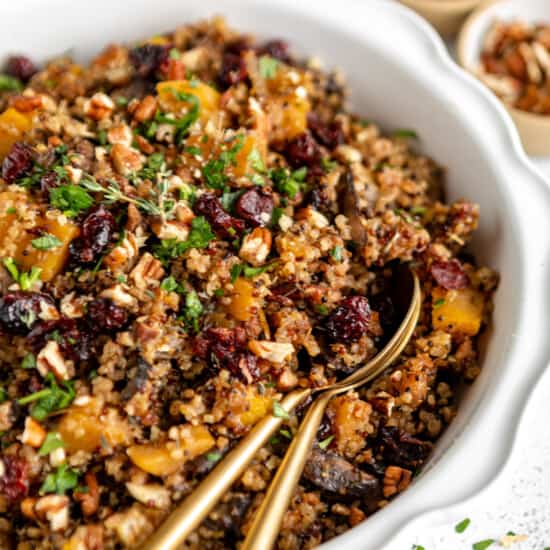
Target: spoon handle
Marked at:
194, 509
267, 521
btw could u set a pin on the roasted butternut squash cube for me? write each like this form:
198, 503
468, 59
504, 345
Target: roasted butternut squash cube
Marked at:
294, 116
51, 261
209, 98
161, 460
251, 158
82, 428
13, 126
258, 406
457, 311
244, 301
16, 236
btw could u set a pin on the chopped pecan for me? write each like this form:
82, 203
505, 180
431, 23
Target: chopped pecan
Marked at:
396, 479
256, 246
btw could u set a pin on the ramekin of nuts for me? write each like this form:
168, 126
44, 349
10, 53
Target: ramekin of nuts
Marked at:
445, 15
506, 44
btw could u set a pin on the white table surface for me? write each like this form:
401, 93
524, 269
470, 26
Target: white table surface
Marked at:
520, 499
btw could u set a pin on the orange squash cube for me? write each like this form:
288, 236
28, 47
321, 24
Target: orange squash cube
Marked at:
258, 407
244, 303
457, 311
15, 237
13, 126
161, 460
82, 428
254, 151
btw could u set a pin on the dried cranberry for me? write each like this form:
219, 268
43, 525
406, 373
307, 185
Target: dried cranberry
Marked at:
97, 229
238, 45
48, 181
105, 315
227, 348
18, 162
15, 482
232, 71
402, 449
148, 58
303, 150
209, 206
255, 206
19, 310
449, 275
350, 320
277, 49
21, 67
330, 135
75, 344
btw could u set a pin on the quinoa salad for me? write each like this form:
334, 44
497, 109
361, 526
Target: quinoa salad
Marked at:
192, 226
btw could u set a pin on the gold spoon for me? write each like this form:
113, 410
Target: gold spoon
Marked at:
196, 507
269, 516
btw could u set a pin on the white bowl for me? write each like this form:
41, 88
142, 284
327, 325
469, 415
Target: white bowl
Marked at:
534, 129
402, 77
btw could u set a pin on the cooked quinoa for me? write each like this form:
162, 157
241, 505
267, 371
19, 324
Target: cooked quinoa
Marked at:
191, 227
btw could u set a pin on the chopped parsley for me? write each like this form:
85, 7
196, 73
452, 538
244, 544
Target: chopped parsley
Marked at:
60, 481
328, 164
462, 526
152, 166
169, 284
192, 310
214, 170
213, 457
229, 198
49, 399
10, 83
199, 237
268, 66
256, 161
46, 242
29, 361
174, 53
326, 442
405, 133
25, 279
288, 183
483, 544
57, 166
3, 395
11, 210
418, 210
279, 411
322, 309
219, 292
286, 433
417, 547
439, 302
247, 271
51, 443
276, 215
336, 253
71, 199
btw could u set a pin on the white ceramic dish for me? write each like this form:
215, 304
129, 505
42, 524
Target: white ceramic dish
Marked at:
534, 129
401, 76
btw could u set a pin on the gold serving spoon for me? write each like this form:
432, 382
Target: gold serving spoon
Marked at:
196, 507
269, 516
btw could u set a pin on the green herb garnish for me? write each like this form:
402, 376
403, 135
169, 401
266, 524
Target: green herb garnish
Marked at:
10, 83
60, 481
46, 242
279, 411
174, 53
482, 544
25, 279
326, 442
405, 133
199, 237
268, 66
71, 199
213, 457
49, 399
439, 302
288, 183
336, 253
169, 284
286, 433
214, 170
52, 442
462, 526
29, 361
